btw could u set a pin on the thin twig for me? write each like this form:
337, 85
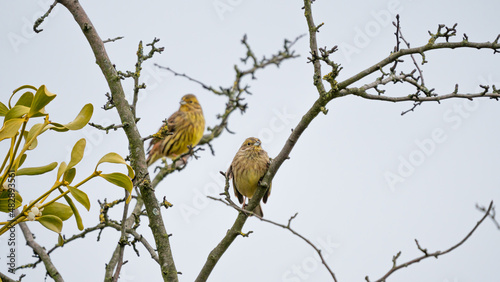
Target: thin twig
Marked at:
141, 58
491, 214
421, 72
438, 97
123, 240
106, 128
112, 39
138, 237
40, 251
40, 20
287, 226
179, 163
313, 45
416, 50
209, 88
435, 254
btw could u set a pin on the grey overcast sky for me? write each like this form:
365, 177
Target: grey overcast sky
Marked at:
364, 180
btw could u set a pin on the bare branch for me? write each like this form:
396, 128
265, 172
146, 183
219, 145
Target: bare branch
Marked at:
209, 88
421, 72
417, 50
435, 254
362, 93
287, 226
112, 39
137, 237
65, 241
40, 20
106, 128
491, 214
123, 240
109, 103
136, 145
221, 248
40, 251
141, 58
313, 45
178, 164
5, 278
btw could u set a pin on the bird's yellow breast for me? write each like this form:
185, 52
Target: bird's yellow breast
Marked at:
188, 134
247, 181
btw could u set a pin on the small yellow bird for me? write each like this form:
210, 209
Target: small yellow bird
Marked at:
183, 128
248, 167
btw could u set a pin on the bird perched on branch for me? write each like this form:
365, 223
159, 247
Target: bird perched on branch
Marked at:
248, 167
182, 130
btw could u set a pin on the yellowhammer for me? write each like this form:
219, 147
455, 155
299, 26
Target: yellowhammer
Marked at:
183, 128
248, 167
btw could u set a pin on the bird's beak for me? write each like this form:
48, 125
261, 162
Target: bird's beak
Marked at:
182, 102
257, 143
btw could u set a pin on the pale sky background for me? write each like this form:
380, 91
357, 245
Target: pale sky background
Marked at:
336, 177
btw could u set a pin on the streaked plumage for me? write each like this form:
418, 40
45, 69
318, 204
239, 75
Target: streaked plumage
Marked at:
248, 167
183, 128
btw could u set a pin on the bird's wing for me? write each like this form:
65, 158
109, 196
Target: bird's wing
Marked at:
236, 192
162, 132
264, 199
173, 120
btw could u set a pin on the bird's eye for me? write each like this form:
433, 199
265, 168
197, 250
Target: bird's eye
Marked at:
248, 144
190, 102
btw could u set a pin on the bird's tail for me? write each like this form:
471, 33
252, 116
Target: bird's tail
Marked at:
153, 156
258, 210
